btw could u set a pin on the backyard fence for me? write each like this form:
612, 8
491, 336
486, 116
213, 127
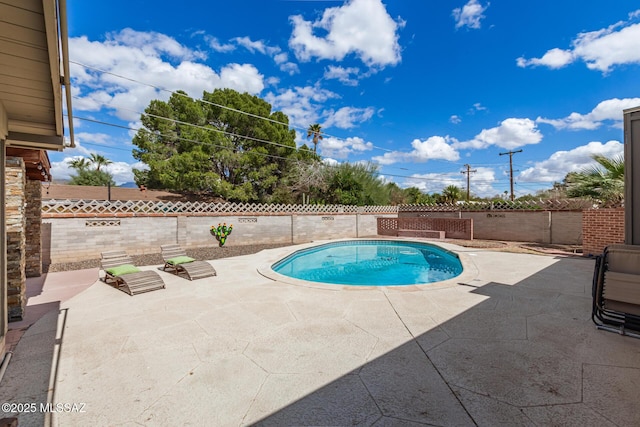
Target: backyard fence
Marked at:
83, 208
81, 229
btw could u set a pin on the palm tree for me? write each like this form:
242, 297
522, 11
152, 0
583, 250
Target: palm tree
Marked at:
99, 160
315, 130
603, 182
79, 164
451, 193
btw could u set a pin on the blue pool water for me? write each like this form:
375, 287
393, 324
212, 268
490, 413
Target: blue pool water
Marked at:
371, 263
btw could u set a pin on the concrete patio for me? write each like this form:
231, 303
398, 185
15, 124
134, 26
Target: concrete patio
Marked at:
509, 342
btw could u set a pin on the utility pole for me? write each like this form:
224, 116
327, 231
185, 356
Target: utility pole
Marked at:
511, 153
468, 172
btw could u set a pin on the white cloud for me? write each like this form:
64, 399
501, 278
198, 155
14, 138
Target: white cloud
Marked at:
60, 171
96, 138
455, 119
481, 182
215, 44
304, 106
433, 182
556, 167
607, 110
152, 43
512, 133
282, 59
432, 148
601, 49
121, 172
360, 27
341, 148
554, 58
301, 104
252, 46
162, 62
469, 15
279, 57
348, 117
347, 76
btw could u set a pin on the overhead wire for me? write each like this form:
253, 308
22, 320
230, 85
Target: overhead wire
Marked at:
221, 146
438, 176
289, 125
159, 88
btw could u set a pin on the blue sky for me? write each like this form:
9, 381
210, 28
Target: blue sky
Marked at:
420, 88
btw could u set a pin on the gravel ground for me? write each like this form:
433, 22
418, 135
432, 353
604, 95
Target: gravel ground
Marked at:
215, 252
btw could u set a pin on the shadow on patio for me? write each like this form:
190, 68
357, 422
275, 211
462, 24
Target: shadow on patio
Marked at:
36, 341
528, 354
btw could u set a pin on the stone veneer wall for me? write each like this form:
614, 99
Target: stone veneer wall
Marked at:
15, 177
33, 193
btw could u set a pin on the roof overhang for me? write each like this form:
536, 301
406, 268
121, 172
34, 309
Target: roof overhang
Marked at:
33, 55
36, 163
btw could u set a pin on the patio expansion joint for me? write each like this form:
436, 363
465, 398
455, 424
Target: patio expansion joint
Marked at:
167, 392
262, 368
254, 398
377, 338
426, 355
373, 399
293, 314
488, 396
564, 405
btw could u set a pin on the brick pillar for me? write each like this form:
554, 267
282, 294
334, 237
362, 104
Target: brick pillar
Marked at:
15, 178
600, 228
33, 230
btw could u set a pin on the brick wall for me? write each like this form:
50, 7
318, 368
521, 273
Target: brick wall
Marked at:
601, 227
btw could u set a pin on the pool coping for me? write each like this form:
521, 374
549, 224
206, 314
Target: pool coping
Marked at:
469, 268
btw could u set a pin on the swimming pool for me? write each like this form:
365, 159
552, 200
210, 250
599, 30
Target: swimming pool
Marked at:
371, 263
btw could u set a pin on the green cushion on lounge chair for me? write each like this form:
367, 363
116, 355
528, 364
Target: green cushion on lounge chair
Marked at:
122, 269
180, 260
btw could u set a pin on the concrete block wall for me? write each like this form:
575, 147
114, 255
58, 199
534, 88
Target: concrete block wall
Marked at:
306, 228
511, 226
566, 227
559, 227
72, 239
600, 228
193, 231
75, 239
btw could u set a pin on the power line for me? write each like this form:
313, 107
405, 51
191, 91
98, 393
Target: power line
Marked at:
220, 146
468, 172
511, 153
161, 89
